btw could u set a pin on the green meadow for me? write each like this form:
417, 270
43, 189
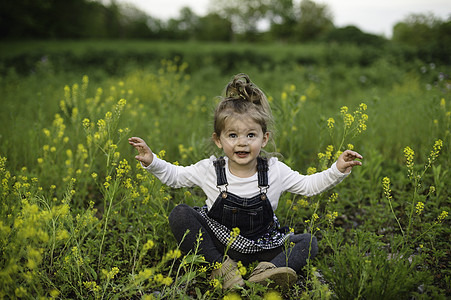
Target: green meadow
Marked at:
81, 219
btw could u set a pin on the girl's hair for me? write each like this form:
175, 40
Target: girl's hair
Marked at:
242, 97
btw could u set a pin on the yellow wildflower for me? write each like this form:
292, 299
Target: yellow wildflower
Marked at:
167, 281
343, 110
173, 254
216, 283
303, 203
235, 232
333, 197
148, 245
112, 273
442, 216
419, 207
161, 154
348, 119
435, 151
272, 295
241, 269
62, 235
409, 155
284, 96
46, 132
330, 123
54, 293
232, 296
386, 187
443, 104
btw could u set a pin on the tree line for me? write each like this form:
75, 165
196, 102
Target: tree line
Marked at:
232, 20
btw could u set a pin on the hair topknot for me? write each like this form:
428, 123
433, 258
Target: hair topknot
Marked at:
242, 87
241, 96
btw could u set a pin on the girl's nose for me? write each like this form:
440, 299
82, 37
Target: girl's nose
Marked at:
243, 141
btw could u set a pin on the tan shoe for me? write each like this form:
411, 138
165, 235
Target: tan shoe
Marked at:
283, 276
229, 273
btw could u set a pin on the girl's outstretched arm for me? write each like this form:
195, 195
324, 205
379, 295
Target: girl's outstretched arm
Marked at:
145, 155
347, 161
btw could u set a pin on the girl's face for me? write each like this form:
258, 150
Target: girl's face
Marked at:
242, 139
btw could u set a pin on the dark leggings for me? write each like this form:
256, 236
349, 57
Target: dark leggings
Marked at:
184, 217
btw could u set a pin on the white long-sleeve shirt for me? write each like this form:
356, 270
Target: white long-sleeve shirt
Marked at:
281, 178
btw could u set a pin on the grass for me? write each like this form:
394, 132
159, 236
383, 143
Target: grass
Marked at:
79, 218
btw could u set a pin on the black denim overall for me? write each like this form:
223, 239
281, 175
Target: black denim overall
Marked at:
253, 216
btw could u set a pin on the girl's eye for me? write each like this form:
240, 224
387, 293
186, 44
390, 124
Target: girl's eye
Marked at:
251, 135
232, 135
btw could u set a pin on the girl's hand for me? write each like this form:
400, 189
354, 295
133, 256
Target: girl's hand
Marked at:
347, 161
145, 155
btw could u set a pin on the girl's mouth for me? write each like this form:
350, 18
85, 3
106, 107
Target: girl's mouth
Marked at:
241, 154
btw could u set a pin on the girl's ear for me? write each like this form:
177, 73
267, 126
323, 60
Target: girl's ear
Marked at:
216, 139
265, 139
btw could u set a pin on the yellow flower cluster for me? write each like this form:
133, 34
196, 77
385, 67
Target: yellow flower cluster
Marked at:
443, 215
106, 184
173, 254
5, 175
145, 274
217, 265
216, 283
232, 296
344, 110
92, 285
359, 117
386, 187
330, 123
409, 154
241, 269
331, 216
419, 207
123, 169
435, 151
235, 232
110, 274
87, 219
148, 245
272, 295
149, 274
333, 197
311, 170
184, 152
325, 157
348, 120
120, 107
161, 154
303, 203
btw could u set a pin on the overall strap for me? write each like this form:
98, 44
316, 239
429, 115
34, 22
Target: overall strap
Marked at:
262, 169
221, 178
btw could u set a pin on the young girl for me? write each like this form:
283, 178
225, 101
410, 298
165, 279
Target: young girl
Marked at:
243, 190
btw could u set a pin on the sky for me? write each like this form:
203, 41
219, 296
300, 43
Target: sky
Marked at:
371, 16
